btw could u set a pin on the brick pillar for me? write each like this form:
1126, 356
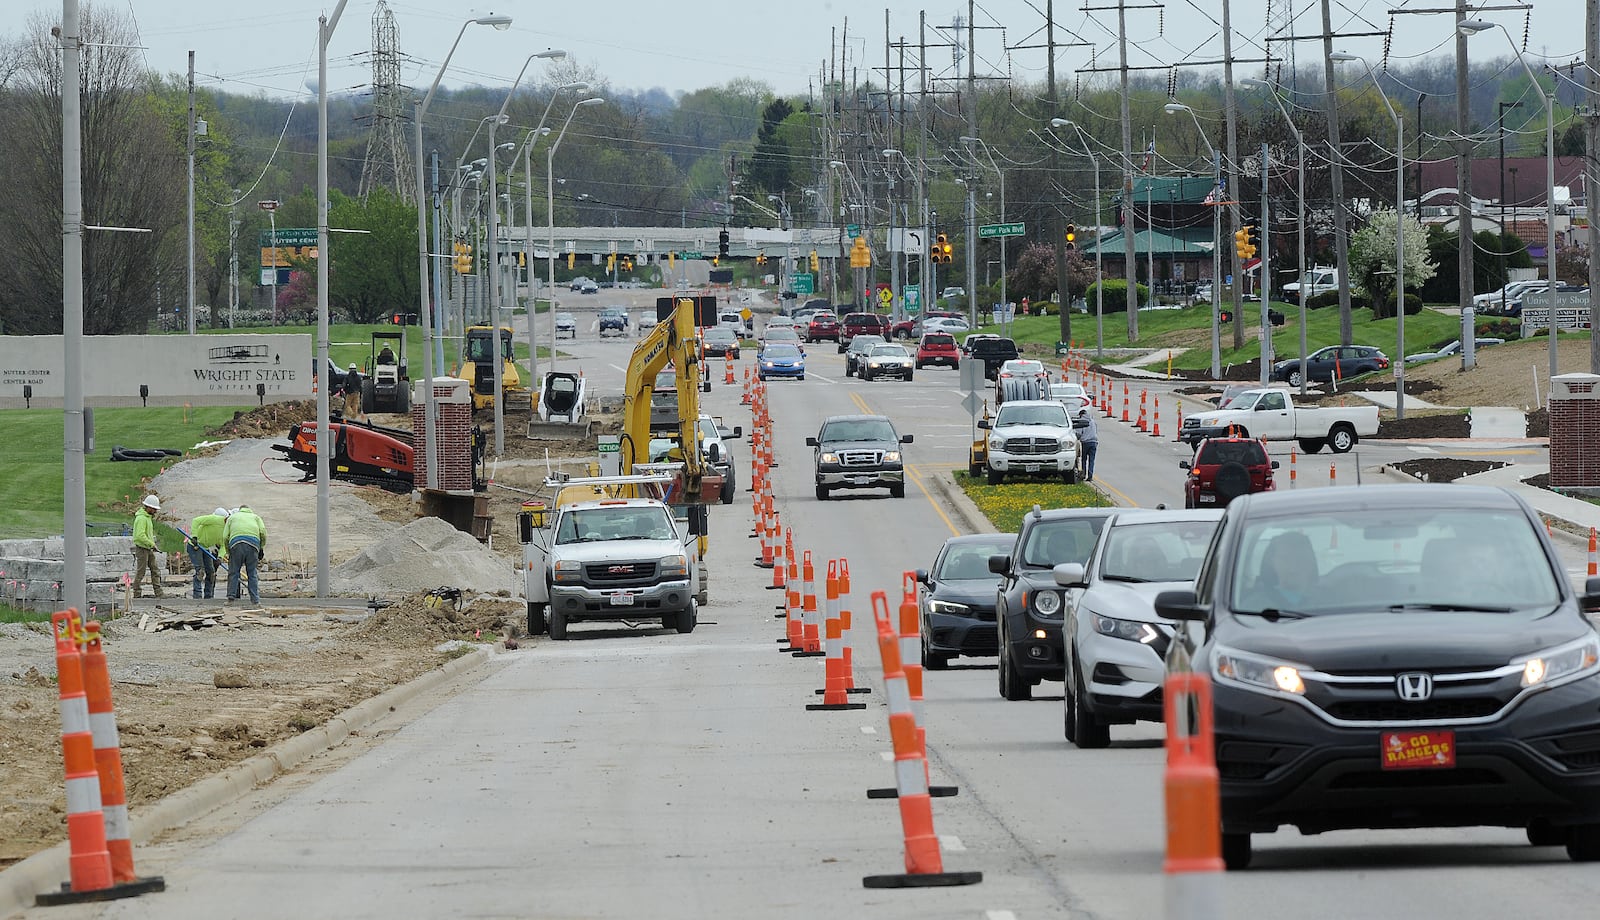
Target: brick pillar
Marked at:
1575, 430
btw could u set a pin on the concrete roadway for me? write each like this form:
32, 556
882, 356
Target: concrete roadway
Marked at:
633, 772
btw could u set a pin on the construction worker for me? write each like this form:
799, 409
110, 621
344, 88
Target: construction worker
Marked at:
386, 356
1089, 440
245, 537
144, 545
352, 394
207, 550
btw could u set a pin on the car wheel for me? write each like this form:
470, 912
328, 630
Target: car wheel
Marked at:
1069, 710
1342, 438
1583, 843
1236, 851
1070, 477
995, 476
866, 375
898, 490
1092, 733
535, 619
1310, 445
686, 620
974, 469
1012, 687
801, 377
1295, 378
729, 487
558, 624
919, 365
1546, 835
822, 492
934, 661
908, 376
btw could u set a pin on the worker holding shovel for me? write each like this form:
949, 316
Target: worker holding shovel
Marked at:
144, 545
206, 550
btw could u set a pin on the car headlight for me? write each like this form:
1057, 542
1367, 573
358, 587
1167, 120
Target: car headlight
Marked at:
767, 364
829, 458
1258, 673
891, 456
1131, 630
566, 570
995, 443
1560, 664
948, 607
1047, 603
675, 566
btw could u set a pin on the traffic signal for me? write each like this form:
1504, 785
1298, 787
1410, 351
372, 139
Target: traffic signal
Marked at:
761, 258
1226, 316
572, 260
942, 252
522, 260
816, 264
715, 261
1241, 244
463, 257
627, 263
1254, 232
1072, 236
611, 262
722, 243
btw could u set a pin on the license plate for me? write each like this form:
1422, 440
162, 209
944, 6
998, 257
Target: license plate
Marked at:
1418, 750
622, 600
1207, 498
1030, 467
860, 480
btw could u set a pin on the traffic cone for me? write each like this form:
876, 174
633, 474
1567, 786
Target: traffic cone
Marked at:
834, 695
810, 627
1193, 865
1125, 401
89, 864
1179, 435
844, 629
1291, 467
794, 632
1594, 557
727, 376
924, 864
1143, 425
1155, 427
771, 551
1333, 475
108, 763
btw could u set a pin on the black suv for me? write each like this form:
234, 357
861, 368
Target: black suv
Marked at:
1398, 657
993, 352
858, 452
1028, 603
614, 319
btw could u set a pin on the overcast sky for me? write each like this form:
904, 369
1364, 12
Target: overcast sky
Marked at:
689, 44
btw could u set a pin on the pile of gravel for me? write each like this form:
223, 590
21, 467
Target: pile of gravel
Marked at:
425, 554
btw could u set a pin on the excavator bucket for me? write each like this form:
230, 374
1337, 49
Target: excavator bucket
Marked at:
562, 410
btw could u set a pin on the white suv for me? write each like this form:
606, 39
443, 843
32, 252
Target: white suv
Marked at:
1031, 436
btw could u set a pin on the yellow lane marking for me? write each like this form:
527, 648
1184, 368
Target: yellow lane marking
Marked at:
914, 473
1128, 502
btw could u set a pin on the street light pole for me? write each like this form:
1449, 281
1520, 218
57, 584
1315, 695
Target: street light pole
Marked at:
1099, 276
430, 425
325, 27
550, 211
539, 130
75, 507
1300, 215
1173, 108
1005, 304
1399, 234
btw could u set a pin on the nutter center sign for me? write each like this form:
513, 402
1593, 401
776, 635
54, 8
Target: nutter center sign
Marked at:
294, 244
172, 370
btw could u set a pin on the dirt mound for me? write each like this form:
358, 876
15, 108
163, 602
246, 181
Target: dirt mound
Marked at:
270, 421
421, 556
1445, 469
420, 619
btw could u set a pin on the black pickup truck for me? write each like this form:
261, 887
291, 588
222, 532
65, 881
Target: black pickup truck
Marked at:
994, 352
858, 452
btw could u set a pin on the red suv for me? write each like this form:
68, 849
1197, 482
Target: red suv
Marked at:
1224, 469
822, 325
938, 348
855, 324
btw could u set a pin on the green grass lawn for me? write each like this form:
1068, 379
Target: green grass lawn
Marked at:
1190, 328
31, 491
10, 614
1004, 505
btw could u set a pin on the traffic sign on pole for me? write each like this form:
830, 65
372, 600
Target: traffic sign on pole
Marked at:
989, 231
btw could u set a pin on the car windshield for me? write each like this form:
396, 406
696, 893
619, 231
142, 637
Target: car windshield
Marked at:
566, 318
889, 351
780, 350
719, 335
478, 346
589, 525
824, 318
666, 380
782, 334
1064, 390
969, 561
865, 342
939, 340
1216, 453
1013, 414
1050, 543
858, 429
1022, 368
1244, 401
1396, 559
1155, 551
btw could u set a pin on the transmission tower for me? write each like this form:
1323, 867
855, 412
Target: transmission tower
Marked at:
387, 156
1280, 24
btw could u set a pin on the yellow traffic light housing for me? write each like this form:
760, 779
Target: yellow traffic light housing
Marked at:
1241, 244
1072, 236
463, 258
572, 259
816, 264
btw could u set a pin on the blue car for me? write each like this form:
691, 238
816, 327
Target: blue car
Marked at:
780, 359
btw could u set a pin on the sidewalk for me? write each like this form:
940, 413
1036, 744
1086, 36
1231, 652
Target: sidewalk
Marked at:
1580, 514
1496, 422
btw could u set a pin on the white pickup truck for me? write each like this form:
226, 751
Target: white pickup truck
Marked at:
1272, 416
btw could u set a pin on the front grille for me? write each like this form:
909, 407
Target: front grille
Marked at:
1031, 446
620, 574
1191, 422
1439, 709
1417, 779
860, 457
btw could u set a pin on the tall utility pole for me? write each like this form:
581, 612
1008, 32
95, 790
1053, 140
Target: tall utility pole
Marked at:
1235, 193
1464, 222
74, 501
1129, 263
1591, 184
1341, 233
188, 300
972, 131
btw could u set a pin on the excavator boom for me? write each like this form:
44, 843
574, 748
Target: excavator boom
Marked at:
672, 342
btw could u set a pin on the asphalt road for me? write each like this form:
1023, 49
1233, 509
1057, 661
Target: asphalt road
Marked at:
632, 772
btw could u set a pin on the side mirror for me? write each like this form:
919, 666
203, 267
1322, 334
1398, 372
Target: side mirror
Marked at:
1274, 464
811, 442
1590, 601
1184, 465
1179, 605
525, 527
905, 439
1071, 575
1000, 564
922, 577
714, 453
697, 520
738, 431
984, 424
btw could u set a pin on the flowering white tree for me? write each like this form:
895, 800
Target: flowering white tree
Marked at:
1372, 258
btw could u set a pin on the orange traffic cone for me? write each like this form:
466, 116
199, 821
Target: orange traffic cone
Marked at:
1194, 864
810, 627
835, 696
1594, 557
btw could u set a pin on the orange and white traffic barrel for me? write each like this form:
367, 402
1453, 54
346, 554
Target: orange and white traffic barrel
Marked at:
834, 694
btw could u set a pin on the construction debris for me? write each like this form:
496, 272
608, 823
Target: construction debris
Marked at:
168, 618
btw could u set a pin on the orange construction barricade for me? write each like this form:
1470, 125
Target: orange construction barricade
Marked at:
834, 694
1194, 862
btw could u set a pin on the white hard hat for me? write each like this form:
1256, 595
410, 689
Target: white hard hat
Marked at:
221, 512
153, 503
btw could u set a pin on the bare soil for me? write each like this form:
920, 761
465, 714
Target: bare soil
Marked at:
192, 703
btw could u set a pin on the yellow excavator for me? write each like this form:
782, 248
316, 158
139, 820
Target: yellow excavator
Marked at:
477, 367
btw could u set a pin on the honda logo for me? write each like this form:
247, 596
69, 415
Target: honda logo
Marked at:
1414, 687
620, 570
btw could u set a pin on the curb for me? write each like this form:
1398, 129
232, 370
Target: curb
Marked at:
971, 518
45, 870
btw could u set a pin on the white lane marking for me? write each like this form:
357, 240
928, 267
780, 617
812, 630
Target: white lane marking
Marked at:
615, 368
824, 379
868, 730
1419, 449
886, 755
999, 915
950, 843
